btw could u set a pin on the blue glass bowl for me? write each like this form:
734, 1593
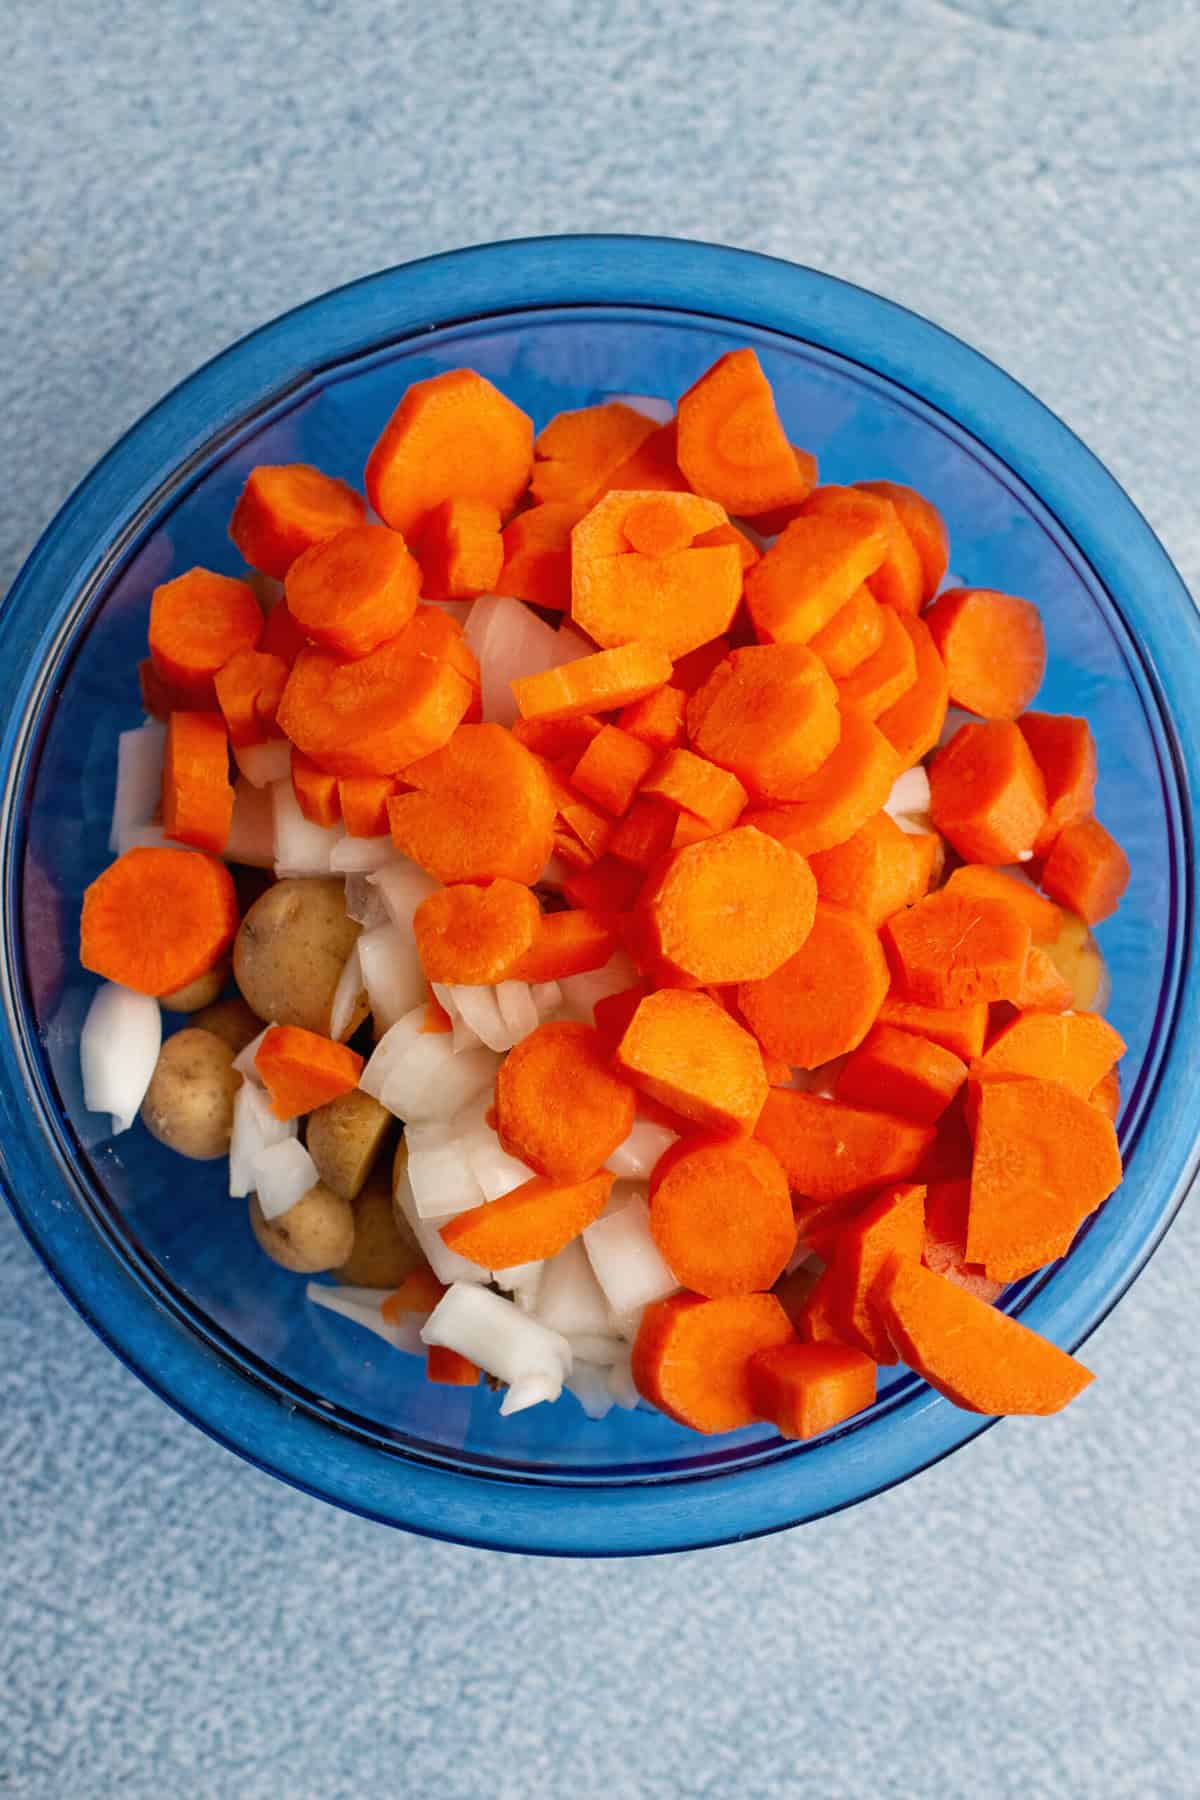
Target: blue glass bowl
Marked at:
149, 1247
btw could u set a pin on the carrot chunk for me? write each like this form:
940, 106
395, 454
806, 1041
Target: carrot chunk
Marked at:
685, 1051
560, 1106
612, 768
904, 1074
599, 683
317, 792
1086, 870
471, 936
534, 1221
197, 797
459, 550
302, 1070
769, 715
891, 1224
364, 804
694, 785
928, 861
853, 635
732, 447
565, 943
639, 575
653, 466
987, 793
536, 548
432, 632
248, 690
657, 719
197, 622
448, 1369
976, 881
284, 509
951, 950
1077, 1048
156, 920
692, 1356
577, 452
722, 1217
453, 436
945, 1247
355, 590
821, 1002
884, 678
481, 807
644, 834
1044, 1159
810, 573
607, 887
830, 1151
733, 908
1043, 987
852, 783
925, 527
373, 715
993, 647
775, 519
805, 1389
282, 636
898, 581
973, 1354
959, 1029
1066, 755
913, 724
873, 873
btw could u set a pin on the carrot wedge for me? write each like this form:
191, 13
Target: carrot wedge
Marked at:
826, 808
893, 1223
731, 445
684, 1050
830, 1151
805, 1389
599, 683
692, 1356
534, 1221
1077, 1048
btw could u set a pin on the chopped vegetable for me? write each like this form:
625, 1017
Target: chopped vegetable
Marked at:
732, 908
197, 795
987, 794
769, 714
301, 1070
118, 1051
1086, 870
824, 999
560, 1106
598, 683
692, 1356
157, 919
685, 1051
951, 950
993, 647
482, 808
831, 804
284, 510
453, 436
530, 1223
805, 1389
355, 590
197, 622
830, 1151
472, 935
721, 1216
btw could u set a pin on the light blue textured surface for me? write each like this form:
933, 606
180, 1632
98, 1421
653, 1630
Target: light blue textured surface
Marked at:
1019, 1621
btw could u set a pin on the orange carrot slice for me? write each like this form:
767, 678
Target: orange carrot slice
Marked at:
453, 436
197, 622
732, 447
810, 573
471, 936
692, 1356
770, 715
852, 783
560, 1105
638, 574
363, 800
951, 950
536, 548
993, 647
448, 1369
612, 768
419, 1292
898, 581
987, 794
302, 1070
373, 715
590, 684
974, 880
285, 509
459, 549
607, 887
481, 807
945, 1247
805, 1389
913, 723
566, 943
884, 678
959, 1029
156, 920
432, 632
197, 797
657, 720
821, 1002
694, 785
652, 467
248, 690
1078, 1049
722, 1217
893, 1224
534, 1221
577, 452
1086, 870
354, 590
685, 1051
904, 1074
775, 519
732, 908
831, 1151
925, 527
854, 634
317, 792
282, 636
1066, 755
873, 873
644, 834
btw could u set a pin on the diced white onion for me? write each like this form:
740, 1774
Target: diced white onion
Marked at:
626, 1260
621, 1384
346, 996
118, 1049
439, 1173
589, 1347
479, 1011
139, 779
265, 764
628, 1324
570, 1299
518, 1011
522, 1281
364, 902
432, 1081
634, 1160
494, 1169
446, 1264
283, 1174
590, 1387
391, 972
909, 801
144, 837
492, 1332
251, 840
402, 887
390, 1051
651, 406
245, 1063
255, 1128
301, 848
462, 1038
547, 997
530, 1390
362, 856
581, 992
362, 1306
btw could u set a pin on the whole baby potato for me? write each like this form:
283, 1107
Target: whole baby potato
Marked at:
291, 949
385, 1250
344, 1137
189, 1103
316, 1233
231, 1021
199, 993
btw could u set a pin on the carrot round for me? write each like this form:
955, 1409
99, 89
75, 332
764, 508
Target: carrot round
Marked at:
1044, 1159
373, 715
536, 551
317, 792
284, 509
197, 622
453, 436
697, 786
459, 549
893, 1223
638, 574
657, 720
1077, 1048
769, 715
302, 1070
534, 1221
959, 1029
810, 573
854, 633
197, 796
560, 1105
599, 683
885, 677
481, 807
722, 1218
1065, 753
156, 920
692, 1356
805, 1389
354, 590
733, 908
248, 690
821, 1002
731, 445
945, 1246
925, 527
913, 724
873, 873
432, 632
993, 647
975, 880
898, 582
973, 1354
566, 943
577, 452
1086, 870
951, 950
685, 1051
612, 768
470, 936
853, 782
987, 795
831, 1151
904, 1074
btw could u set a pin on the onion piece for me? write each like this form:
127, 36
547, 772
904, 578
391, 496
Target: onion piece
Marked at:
390, 1051
138, 788
433, 1081
439, 1173
391, 972
301, 848
251, 840
494, 1169
531, 1390
362, 1306
621, 1384
346, 996
402, 887
265, 764
145, 837
463, 1037
446, 1264
547, 996
634, 1160
518, 1010
362, 856
492, 1332
910, 799
245, 1063
255, 1128
651, 406
590, 1387
509, 640
364, 902
480, 1013
581, 992
625, 1259
591, 1347
283, 1174
570, 1299
118, 1050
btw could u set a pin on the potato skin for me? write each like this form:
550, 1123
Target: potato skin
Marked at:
385, 1250
199, 993
189, 1103
231, 1021
291, 949
344, 1138
315, 1234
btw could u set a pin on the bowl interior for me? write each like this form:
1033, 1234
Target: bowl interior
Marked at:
172, 1220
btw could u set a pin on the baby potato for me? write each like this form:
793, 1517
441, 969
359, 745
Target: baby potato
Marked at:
199, 993
231, 1021
315, 1234
385, 1250
291, 949
189, 1103
344, 1137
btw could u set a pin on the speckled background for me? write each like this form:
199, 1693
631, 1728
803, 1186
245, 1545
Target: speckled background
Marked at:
1019, 1621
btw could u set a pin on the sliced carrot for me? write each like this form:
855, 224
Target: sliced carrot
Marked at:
1077, 1048
952, 950
432, 632
560, 1105
810, 573
822, 1002
928, 861
974, 880
534, 1221
566, 943
959, 1029
945, 1246
657, 719
993, 647
156, 920
904, 1074
316, 791
197, 622
1107, 1095
728, 533
557, 740
285, 509
1065, 753
1042, 985
898, 582
471, 936
884, 678
987, 795
805, 1389
769, 715
925, 527
731, 444
364, 804
692, 671
481, 807
692, 784
248, 689
969, 1351
854, 634
722, 1218
437, 1020
197, 795
448, 1369
891, 1224
692, 1356
453, 436
637, 574
653, 466
913, 723
733, 908
459, 550
282, 636
873, 873
302, 1070
853, 782
598, 683
419, 1292
536, 548
607, 887
830, 1151
577, 452
355, 590
684, 1050
775, 519
1044, 1159
591, 827
613, 1013
1086, 870
644, 834
373, 715
612, 768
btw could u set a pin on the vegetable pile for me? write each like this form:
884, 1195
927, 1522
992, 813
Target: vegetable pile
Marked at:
658, 837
